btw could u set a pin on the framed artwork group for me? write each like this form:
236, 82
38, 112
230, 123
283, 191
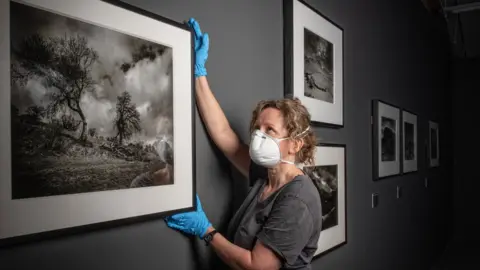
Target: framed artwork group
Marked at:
395, 141
99, 109
96, 111
313, 72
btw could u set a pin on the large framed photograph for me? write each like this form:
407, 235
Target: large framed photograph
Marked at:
386, 123
433, 144
313, 48
329, 174
409, 142
96, 113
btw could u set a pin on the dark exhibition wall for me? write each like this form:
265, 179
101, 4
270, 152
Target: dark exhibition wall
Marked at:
465, 81
394, 51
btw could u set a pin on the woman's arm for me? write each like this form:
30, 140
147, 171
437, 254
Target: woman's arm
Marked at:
239, 258
197, 223
218, 127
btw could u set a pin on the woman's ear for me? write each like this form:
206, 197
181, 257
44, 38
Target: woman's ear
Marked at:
296, 146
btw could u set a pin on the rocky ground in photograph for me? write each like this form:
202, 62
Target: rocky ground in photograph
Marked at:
48, 160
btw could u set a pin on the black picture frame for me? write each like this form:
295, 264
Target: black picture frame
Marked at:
394, 169
73, 230
432, 161
405, 165
321, 111
338, 237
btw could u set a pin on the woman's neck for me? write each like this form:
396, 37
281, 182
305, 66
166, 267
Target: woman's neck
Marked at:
281, 175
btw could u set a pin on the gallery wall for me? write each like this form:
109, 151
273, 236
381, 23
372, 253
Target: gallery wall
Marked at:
465, 81
394, 51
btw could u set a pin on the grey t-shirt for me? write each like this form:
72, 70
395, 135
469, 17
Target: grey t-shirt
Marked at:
288, 221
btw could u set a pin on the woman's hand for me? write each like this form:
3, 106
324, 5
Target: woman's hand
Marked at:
201, 48
195, 223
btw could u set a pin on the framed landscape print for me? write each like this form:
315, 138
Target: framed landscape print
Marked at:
329, 175
409, 142
386, 140
96, 112
313, 47
433, 145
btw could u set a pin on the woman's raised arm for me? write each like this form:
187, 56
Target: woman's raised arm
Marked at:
211, 113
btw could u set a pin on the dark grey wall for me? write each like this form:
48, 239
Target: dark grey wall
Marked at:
394, 51
466, 81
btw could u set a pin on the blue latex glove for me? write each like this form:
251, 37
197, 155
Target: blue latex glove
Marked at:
195, 223
201, 48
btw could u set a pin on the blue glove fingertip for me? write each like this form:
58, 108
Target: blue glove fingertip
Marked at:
196, 28
191, 22
175, 226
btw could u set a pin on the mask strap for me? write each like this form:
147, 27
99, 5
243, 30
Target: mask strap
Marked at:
303, 132
286, 161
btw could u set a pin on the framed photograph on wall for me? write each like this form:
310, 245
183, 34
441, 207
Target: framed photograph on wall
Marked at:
386, 123
329, 174
434, 144
96, 111
409, 142
313, 59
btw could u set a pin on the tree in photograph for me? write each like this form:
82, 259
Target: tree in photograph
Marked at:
63, 65
35, 113
127, 121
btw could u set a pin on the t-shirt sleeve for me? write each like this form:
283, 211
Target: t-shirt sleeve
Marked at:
256, 172
287, 229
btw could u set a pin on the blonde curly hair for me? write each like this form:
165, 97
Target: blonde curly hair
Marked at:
296, 120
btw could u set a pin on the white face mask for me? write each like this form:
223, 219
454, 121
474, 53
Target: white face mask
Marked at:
265, 150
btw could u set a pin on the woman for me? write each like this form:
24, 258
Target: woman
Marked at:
279, 224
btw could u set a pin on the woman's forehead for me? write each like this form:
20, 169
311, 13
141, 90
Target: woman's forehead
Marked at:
270, 116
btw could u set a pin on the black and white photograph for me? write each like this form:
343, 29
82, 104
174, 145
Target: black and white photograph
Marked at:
434, 146
386, 125
93, 116
329, 176
409, 146
409, 136
91, 108
313, 69
389, 135
318, 67
326, 177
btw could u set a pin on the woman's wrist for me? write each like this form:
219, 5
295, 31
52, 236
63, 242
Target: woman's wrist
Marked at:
209, 230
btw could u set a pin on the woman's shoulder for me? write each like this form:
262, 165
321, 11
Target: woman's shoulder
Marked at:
302, 189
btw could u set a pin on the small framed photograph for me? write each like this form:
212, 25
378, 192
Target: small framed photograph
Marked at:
313, 48
409, 142
386, 121
329, 175
434, 144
